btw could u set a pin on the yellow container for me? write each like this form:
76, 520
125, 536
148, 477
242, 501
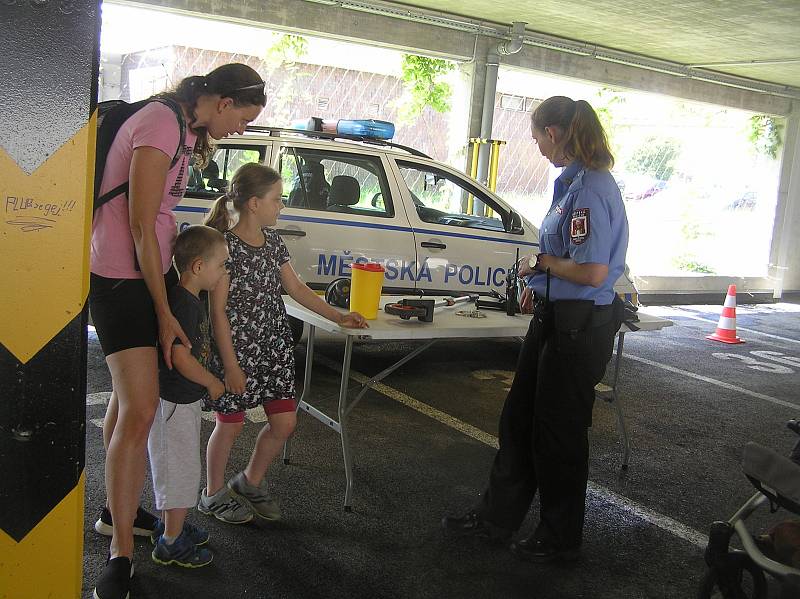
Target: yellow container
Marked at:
365, 289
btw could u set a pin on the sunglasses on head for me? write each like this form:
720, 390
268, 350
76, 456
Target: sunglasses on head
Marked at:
260, 85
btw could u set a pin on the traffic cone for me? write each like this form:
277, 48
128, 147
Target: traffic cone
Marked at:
726, 329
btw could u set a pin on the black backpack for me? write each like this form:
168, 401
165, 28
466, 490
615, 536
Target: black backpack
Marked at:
111, 115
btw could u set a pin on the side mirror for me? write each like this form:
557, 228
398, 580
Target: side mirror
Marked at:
513, 223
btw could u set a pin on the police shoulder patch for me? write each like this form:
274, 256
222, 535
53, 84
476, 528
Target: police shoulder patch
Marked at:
579, 226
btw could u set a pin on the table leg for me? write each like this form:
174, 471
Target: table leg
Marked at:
306, 382
623, 431
342, 413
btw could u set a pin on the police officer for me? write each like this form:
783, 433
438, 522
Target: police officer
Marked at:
543, 432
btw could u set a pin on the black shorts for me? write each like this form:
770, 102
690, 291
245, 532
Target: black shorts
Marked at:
122, 312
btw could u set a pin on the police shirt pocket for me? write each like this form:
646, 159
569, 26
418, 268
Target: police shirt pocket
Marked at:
573, 326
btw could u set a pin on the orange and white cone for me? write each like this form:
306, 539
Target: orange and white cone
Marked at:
726, 329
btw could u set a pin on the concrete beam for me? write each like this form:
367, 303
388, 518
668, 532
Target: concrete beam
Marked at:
338, 23
619, 75
311, 18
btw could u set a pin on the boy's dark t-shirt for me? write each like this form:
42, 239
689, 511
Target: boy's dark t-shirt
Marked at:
191, 313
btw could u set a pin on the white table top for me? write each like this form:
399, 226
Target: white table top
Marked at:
446, 324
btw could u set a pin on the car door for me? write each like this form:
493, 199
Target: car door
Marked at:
207, 184
341, 209
465, 238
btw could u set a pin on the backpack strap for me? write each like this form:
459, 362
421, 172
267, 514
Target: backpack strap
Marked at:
125, 186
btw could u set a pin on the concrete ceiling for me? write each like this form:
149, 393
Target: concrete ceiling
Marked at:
689, 32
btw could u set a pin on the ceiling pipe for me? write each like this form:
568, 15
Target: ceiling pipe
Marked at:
504, 48
513, 45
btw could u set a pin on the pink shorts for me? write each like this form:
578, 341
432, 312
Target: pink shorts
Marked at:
275, 406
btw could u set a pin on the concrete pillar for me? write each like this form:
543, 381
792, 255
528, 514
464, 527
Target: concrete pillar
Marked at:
50, 57
785, 267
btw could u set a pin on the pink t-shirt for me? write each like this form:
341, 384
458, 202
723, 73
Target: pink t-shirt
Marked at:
112, 252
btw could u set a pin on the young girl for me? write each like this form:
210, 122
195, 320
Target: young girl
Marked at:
254, 349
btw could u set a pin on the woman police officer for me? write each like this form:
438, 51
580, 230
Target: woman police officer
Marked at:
543, 426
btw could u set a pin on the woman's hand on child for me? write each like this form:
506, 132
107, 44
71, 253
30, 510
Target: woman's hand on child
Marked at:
215, 389
353, 320
235, 380
168, 330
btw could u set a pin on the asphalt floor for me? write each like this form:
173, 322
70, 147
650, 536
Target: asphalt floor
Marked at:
423, 444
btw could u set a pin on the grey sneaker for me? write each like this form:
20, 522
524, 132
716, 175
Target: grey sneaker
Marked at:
261, 504
223, 505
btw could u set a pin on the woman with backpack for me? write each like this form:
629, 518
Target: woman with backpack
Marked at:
131, 256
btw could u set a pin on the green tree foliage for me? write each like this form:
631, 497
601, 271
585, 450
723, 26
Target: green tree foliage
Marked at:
655, 157
286, 50
766, 134
284, 54
422, 81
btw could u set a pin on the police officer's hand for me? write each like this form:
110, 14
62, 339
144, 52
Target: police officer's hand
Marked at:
526, 301
215, 389
235, 380
523, 269
353, 320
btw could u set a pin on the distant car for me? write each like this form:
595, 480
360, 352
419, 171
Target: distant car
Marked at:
651, 191
746, 201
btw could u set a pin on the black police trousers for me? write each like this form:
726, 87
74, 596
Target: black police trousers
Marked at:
543, 434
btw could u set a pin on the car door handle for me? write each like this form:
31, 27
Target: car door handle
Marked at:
433, 244
295, 232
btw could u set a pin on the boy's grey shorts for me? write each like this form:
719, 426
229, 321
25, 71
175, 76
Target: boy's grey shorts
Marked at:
174, 447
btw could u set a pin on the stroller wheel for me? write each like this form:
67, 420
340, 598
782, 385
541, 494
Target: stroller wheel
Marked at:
741, 580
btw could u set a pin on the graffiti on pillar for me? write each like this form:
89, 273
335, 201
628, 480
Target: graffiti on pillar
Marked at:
33, 214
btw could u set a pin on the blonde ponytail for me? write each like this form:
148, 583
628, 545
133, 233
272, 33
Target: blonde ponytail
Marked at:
219, 218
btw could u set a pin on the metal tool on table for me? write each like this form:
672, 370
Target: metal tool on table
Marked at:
423, 308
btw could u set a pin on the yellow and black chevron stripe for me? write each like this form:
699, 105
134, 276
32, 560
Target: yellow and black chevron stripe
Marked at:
46, 173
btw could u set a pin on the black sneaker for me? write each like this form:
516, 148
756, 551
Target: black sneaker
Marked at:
115, 580
471, 525
143, 526
542, 552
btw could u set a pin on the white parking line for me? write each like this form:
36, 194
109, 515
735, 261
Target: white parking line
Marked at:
98, 399
707, 379
686, 314
663, 522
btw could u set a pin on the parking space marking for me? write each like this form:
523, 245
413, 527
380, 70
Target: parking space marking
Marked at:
708, 379
674, 527
687, 314
98, 399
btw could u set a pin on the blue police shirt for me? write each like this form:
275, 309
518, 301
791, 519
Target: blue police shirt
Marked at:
587, 223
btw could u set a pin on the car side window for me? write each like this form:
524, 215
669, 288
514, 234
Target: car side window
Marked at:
212, 180
443, 199
334, 182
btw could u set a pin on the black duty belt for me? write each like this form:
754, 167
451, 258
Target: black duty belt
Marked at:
601, 315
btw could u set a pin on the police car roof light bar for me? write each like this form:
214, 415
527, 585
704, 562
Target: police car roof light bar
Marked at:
278, 131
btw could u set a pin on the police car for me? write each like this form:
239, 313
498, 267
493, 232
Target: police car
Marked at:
357, 198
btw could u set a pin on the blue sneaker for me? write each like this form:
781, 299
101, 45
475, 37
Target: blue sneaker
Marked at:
196, 535
182, 553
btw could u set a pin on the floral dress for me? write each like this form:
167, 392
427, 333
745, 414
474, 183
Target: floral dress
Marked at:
260, 329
